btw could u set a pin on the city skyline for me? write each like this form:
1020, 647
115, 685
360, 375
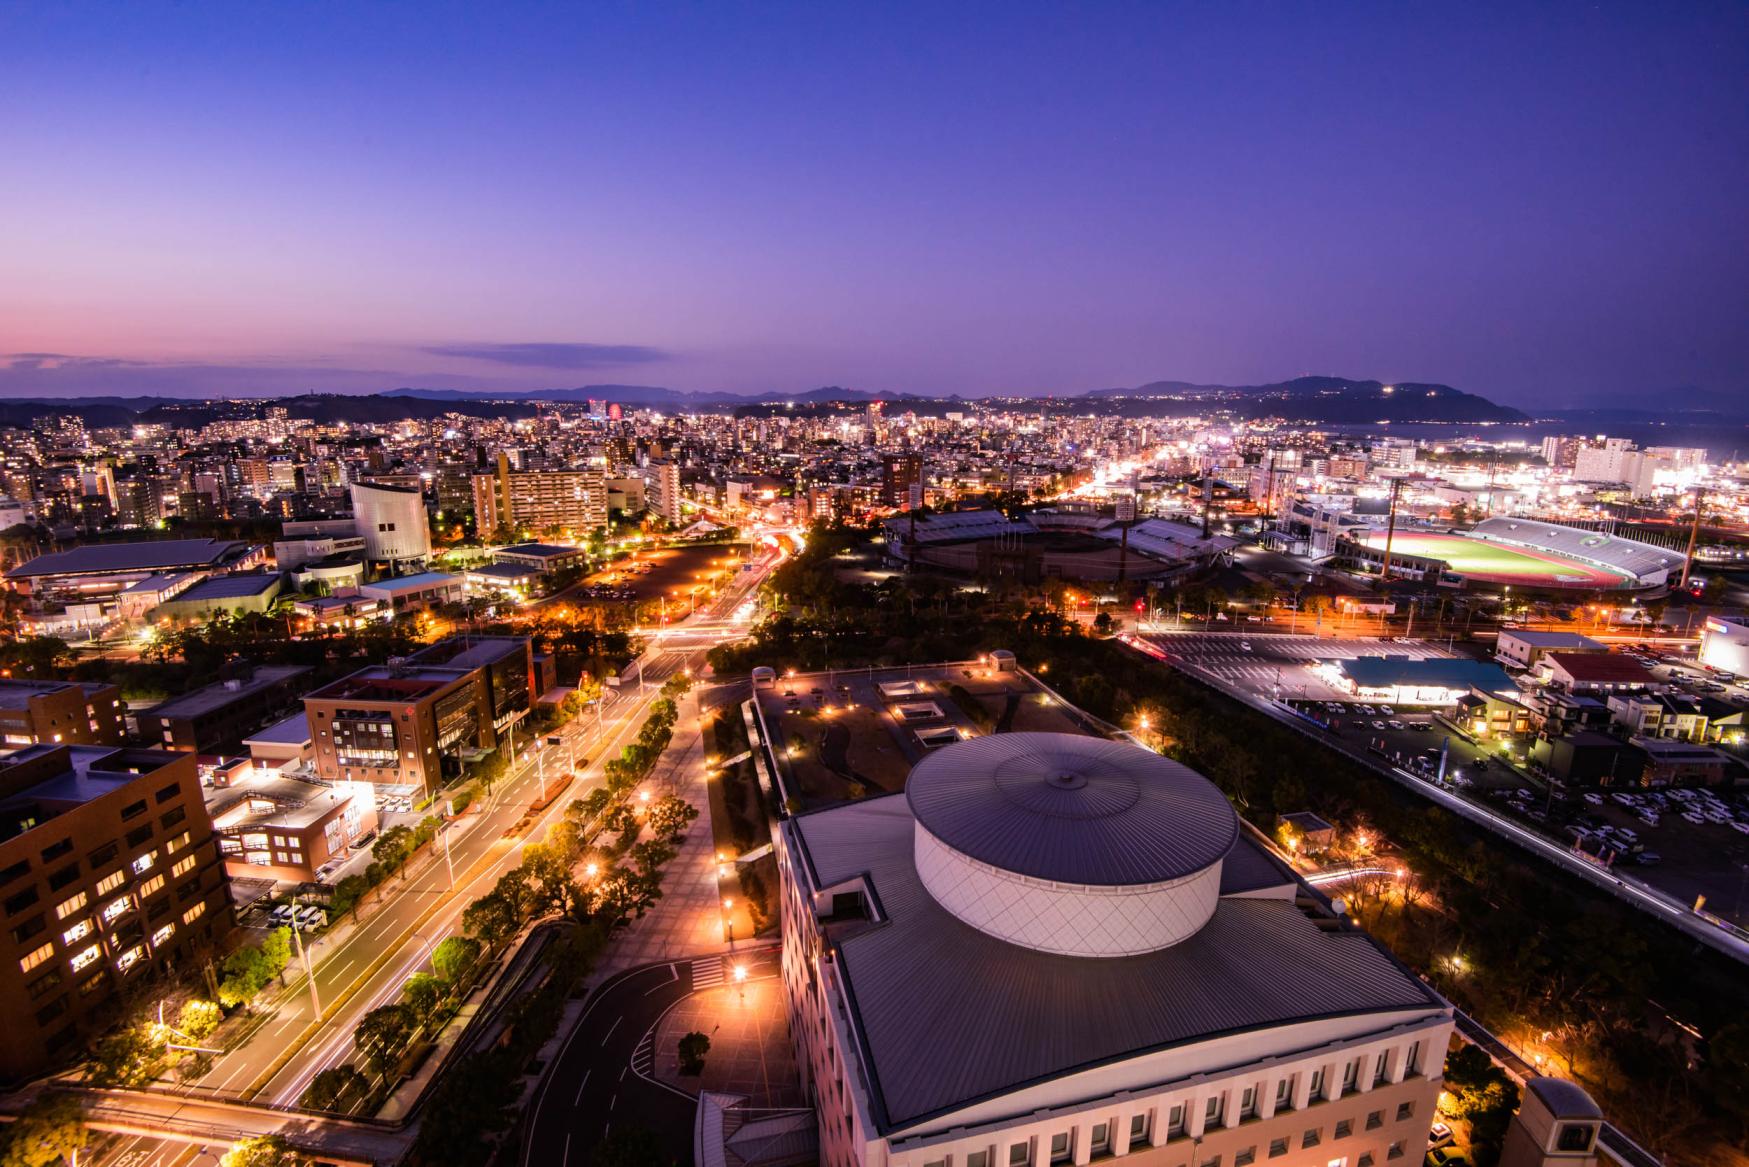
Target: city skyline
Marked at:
224, 204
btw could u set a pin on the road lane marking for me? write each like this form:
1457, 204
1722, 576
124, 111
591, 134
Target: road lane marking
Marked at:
578, 1101
610, 1030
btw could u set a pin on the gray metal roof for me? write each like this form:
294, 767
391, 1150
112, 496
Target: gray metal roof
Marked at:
1072, 809
949, 1015
153, 555
1565, 1099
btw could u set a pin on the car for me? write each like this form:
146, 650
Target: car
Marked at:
1594, 799
1395, 724
1377, 724
1244, 646
1439, 1134
1387, 710
555, 741
1648, 858
1446, 1157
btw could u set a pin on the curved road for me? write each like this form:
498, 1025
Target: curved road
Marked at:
590, 1088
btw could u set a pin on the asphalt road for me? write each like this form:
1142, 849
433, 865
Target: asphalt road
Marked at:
591, 1089
367, 965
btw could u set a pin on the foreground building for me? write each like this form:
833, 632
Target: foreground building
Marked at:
108, 868
1052, 949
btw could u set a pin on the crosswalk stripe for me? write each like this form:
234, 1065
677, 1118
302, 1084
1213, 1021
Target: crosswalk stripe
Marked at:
707, 973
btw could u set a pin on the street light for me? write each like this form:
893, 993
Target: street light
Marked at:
741, 980
729, 920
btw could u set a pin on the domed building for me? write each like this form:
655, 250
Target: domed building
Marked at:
1052, 948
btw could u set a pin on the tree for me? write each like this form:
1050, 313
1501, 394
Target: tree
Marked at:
126, 1057
693, 1047
669, 817
199, 1018
263, 1151
50, 1131
492, 918
382, 1035
423, 994
454, 957
338, 1088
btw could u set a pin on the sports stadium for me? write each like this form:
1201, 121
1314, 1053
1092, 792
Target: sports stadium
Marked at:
1521, 553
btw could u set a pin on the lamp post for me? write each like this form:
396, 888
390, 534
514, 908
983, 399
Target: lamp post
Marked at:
729, 921
309, 970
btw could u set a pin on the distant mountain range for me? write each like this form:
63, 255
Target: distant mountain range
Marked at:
1333, 400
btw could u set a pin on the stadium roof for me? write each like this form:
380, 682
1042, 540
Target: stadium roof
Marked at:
1384, 672
921, 981
1072, 809
153, 555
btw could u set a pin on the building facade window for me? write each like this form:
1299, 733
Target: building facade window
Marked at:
37, 956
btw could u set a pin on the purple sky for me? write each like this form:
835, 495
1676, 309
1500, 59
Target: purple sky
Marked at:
1543, 205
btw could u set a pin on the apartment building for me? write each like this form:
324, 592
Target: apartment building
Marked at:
108, 868
664, 490
413, 722
51, 712
1053, 949
539, 500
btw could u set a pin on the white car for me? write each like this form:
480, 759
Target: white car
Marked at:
1245, 646
1594, 799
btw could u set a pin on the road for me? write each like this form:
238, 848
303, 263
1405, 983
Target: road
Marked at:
592, 1086
365, 965
1630, 890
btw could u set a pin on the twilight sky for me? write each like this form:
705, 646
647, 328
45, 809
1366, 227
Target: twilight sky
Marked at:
1543, 204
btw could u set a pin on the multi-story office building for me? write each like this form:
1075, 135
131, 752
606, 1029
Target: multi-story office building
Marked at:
409, 723
539, 500
53, 712
216, 718
108, 867
1052, 949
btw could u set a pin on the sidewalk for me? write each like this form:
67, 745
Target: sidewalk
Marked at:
688, 919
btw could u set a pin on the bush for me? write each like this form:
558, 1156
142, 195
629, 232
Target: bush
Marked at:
454, 958
199, 1018
462, 800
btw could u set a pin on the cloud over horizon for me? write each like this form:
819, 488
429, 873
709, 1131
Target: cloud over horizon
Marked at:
552, 355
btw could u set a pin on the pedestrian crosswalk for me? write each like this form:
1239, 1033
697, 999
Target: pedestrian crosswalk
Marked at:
707, 972
644, 1057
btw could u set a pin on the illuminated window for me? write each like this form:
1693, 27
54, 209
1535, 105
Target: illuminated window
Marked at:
163, 934
78, 931
115, 909
144, 862
151, 885
86, 958
37, 957
70, 905
111, 882
131, 957
176, 844
194, 913
183, 865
